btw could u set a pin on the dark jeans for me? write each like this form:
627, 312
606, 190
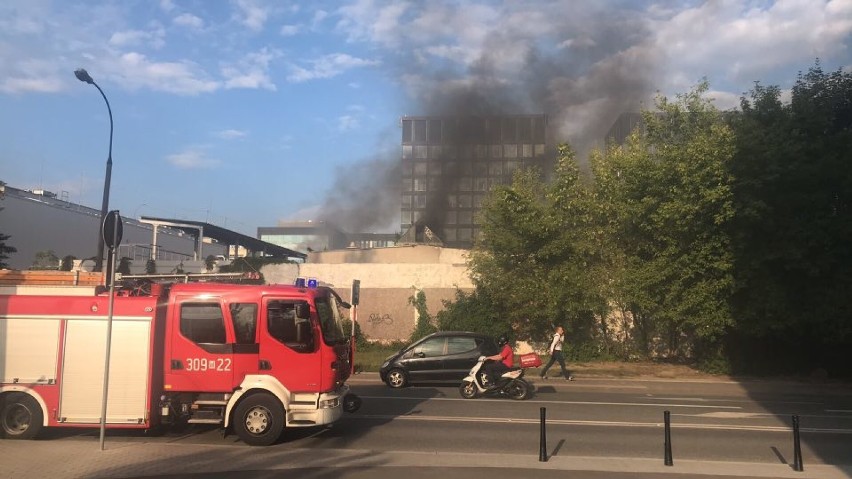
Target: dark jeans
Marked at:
556, 357
495, 369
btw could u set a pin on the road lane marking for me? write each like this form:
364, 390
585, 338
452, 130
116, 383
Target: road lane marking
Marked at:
576, 403
728, 415
758, 401
753, 415
569, 422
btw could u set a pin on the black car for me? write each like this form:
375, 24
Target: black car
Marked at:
441, 356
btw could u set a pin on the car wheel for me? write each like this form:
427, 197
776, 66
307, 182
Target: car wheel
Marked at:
259, 419
468, 390
397, 378
20, 416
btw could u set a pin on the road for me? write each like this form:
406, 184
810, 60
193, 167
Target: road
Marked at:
739, 428
721, 421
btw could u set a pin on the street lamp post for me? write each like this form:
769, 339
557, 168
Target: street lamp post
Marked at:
83, 76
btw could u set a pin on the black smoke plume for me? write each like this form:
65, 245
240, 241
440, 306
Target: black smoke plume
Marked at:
582, 68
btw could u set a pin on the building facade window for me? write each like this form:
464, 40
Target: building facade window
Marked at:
452, 162
421, 152
451, 217
420, 131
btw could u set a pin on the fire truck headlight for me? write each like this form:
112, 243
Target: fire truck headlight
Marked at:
329, 403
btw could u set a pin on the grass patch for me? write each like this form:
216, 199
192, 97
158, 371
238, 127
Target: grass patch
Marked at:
370, 357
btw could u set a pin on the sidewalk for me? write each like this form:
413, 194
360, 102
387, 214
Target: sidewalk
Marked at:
78, 458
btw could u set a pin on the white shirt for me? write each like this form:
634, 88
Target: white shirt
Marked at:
556, 345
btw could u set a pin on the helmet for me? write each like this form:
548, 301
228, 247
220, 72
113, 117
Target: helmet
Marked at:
502, 340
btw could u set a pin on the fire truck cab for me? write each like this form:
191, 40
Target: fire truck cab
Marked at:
254, 358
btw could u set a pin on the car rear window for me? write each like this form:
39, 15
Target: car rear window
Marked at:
460, 344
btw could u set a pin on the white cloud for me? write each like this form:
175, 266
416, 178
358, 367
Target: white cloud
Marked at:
328, 66
737, 42
250, 14
231, 134
129, 38
347, 123
28, 18
724, 100
192, 159
364, 20
252, 71
319, 16
37, 85
32, 75
290, 30
189, 20
167, 5
134, 70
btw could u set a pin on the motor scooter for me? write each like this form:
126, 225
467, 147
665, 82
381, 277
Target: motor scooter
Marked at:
510, 384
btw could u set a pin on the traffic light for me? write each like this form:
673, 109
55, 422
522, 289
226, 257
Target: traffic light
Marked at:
356, 291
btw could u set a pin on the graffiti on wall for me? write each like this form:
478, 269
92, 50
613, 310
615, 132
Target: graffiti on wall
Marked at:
379, 319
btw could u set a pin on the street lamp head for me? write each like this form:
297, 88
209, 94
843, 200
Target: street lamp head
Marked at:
83, 76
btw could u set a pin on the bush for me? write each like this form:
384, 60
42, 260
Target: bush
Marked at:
472, 312
361, 341
425, 323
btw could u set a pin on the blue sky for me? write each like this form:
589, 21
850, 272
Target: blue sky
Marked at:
245, 113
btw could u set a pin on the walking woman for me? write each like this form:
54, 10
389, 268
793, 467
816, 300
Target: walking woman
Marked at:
556, 355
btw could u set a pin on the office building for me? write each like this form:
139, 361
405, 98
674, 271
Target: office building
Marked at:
450, 163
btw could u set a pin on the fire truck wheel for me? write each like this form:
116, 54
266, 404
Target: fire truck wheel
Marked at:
259, 419
20, 416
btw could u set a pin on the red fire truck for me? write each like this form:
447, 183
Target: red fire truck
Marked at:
253, 358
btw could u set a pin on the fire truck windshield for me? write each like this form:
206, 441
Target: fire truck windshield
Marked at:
331, 321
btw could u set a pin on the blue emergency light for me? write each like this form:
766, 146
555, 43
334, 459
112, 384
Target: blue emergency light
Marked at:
300, 282
312, 283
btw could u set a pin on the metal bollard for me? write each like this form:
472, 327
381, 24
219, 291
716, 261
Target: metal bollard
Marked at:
667, 459
797, 446
542, 447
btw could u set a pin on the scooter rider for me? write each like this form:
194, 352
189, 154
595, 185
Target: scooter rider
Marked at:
501, 362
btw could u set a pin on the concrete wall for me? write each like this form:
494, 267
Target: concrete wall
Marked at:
389, 277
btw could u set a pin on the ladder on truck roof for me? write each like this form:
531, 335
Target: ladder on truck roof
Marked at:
40, 282
187, 277
153, 283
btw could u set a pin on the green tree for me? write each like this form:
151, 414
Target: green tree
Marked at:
425, 322
665, 200
45, 260
793, 193
5, 250
536, 259
473, 311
